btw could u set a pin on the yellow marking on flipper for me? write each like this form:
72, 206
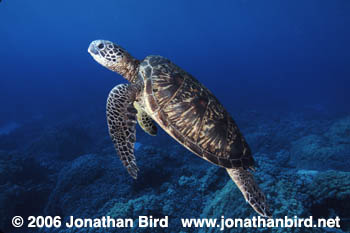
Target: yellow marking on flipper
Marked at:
145, 121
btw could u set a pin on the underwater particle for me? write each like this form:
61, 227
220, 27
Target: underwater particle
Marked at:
183, 107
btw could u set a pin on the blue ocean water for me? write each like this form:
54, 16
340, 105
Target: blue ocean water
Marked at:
281, 68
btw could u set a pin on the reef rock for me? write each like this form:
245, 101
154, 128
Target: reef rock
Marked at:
330, 150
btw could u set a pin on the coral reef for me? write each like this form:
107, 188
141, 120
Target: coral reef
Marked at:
52, 174
329, 150
24, 188
304, 193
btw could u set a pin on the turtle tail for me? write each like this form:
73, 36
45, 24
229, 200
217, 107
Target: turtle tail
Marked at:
250, 190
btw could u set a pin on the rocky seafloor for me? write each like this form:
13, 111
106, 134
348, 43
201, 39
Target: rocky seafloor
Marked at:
70, 169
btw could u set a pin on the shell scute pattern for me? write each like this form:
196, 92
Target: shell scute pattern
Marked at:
183, 111
192, 115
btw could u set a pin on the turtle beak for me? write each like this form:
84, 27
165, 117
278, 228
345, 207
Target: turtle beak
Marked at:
92, 48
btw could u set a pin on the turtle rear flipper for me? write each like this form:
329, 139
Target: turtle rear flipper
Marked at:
250, 190
121, 119
145, 121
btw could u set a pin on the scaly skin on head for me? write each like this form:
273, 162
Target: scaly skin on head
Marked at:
114, 58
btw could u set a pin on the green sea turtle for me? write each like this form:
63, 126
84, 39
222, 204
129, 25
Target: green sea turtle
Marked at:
159, 91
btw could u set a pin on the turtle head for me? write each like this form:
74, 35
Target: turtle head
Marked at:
106, 53
114, 58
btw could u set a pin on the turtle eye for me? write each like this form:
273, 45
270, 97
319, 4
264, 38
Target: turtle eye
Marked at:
101, 46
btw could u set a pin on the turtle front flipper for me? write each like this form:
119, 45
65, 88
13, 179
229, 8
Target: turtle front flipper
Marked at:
250, 190
121, 119
145, 121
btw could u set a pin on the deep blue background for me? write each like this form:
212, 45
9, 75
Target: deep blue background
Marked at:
270, 55
281, 68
